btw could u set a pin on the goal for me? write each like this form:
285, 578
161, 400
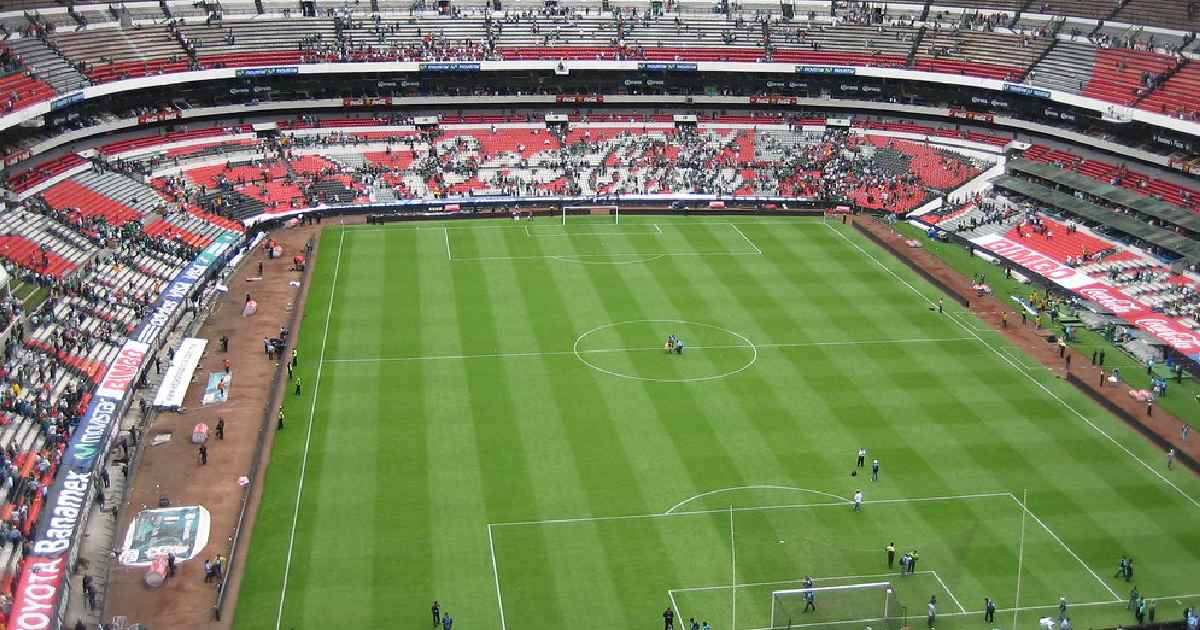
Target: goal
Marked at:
870, 604
613, 211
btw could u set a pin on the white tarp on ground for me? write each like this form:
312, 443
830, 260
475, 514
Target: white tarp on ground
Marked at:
179, 374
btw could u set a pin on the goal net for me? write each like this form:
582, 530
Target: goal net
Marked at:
850, 606
594, 211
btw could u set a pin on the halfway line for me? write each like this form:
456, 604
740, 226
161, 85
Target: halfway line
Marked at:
553, 353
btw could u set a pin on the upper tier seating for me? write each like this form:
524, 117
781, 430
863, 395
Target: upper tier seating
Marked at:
1169, 192
1118, 74
1066, 68
1178, 95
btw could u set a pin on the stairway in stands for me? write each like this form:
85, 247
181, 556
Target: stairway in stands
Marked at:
48, 65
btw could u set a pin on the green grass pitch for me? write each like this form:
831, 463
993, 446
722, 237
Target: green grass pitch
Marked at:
495, 425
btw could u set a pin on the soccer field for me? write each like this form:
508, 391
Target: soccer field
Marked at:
490, 420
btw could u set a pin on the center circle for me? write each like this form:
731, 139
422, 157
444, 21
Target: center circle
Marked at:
634, 350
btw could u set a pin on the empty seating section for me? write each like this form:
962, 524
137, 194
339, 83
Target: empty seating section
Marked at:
1179, 95
1118, 74
1169, 192
20, 90
1067, 67
24, 180
990, 55
110, 54
1173, 15
71, 194
47, 65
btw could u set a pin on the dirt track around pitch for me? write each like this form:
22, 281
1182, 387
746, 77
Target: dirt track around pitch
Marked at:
173, 469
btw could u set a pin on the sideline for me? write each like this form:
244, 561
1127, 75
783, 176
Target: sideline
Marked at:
308, 434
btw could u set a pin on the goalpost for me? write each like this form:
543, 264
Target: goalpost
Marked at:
870, 604
613, 211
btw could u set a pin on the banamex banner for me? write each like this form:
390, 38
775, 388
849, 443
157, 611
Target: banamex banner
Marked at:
68, 498
1166, 329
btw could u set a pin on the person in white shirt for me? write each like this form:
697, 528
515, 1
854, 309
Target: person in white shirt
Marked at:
858, 499
862, 457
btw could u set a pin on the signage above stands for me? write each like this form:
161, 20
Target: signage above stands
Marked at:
556, 118
425, 121
684, 118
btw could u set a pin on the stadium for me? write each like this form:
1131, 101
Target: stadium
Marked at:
521, 315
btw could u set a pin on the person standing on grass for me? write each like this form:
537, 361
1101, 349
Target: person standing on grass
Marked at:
874, 470
437, 613
295, 357
298, 381
858, 499
1150, 611
862, 457
1094, 357
668, 618
1101, 358
932, 611
1129, 569
447, 622
1121, 567
279, 427
1062, 608
1170, 458
891, 554
810, 601
692, 625
913, 556
989, 610
1134, 596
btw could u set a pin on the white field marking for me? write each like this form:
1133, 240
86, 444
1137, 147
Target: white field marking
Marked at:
496, 576
760, 508
1026, 510
957, 614
675, 224
552, 353
657, 229
312, 412
948, 592
675, 607
1020, 558
753, 487
631, 261
608, 255
795, 581
743, 235
446, 234
1024, 372
596, 233
745, 343
732, 571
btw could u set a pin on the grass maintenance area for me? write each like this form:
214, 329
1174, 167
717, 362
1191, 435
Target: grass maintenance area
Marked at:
489, 419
